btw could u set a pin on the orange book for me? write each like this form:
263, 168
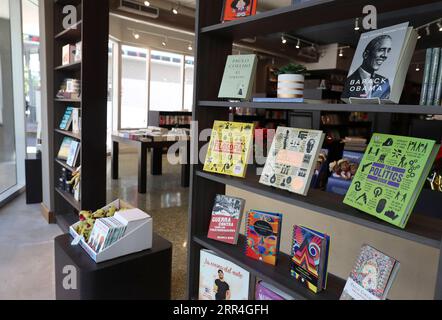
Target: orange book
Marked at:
237, 9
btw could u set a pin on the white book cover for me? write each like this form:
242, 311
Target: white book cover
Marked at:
376, 63
221, 279
292, 158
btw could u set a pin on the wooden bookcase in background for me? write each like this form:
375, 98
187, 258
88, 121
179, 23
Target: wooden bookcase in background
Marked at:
213, 45
92, 29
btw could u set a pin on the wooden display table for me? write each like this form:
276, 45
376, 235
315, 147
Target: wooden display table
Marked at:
144, 275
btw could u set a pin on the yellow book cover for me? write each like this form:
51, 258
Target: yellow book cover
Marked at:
229, 148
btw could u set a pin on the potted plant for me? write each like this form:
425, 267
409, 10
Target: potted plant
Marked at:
291, 81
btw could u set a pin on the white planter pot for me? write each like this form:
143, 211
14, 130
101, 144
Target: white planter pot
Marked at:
290, 86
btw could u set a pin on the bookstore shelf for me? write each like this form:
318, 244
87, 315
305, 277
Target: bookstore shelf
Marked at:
73, 33
70, 67
68, 100
312, 13
69, 134
278, 275
69, 198
377, 108
66, 2
421, 229
64, 164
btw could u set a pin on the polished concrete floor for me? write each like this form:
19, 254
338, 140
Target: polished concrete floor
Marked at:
26, 247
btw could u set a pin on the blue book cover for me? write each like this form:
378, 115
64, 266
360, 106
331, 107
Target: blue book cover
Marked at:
343, 172
67, 119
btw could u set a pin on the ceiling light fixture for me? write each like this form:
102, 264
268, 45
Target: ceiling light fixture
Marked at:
357, 24
136, 35
417, 68
298, 44
147, 3
341, 52
439, 25
283, 39
190, 48
164, 43
175, 9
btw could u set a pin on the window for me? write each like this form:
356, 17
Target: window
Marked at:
133, 87
188, 82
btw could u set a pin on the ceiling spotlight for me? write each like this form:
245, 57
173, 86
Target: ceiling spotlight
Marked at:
190, 48
146, 3
417, 68
341, 52
175, 9
164, 43
136, 35
427, 29
298, 44
439, 25
357, 24
283, 40
419, 36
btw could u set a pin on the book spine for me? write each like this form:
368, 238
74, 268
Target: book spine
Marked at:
425, 80
433, 76
438, 91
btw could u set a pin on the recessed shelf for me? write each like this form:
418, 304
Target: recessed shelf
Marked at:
65, 165
76, 66
278, 275
385, 108
71, 34
421, 229
69, 134
69, 198
68, 100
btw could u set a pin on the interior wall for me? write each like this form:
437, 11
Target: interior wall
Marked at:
418, 270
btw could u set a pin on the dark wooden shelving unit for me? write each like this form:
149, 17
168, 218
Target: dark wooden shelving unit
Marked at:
92, 30
213, 44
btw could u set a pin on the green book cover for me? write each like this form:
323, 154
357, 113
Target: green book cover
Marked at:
390, 177
238, 77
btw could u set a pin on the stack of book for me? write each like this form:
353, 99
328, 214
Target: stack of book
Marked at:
106, 231
355, 144
432, 83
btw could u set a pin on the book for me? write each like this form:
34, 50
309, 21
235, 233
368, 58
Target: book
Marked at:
434, 68
263, 233
343, 171
310, 250
66, 121
221, 279
74, 150
425, 80
226, 219
265, 291
372, 276
390, 177
438, 88
63, 152
229, 148
76, 120
68, 54
380, 65
237, 9
287, 100
238, 77
292, 158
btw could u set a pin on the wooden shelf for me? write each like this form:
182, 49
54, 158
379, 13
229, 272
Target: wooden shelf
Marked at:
76, 66
71, 34
67, 100
65, 165
66, 2
386, 108
278, 275
69, 134
69, 198
421, 229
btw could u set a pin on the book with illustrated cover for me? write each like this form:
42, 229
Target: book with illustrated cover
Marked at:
238, 77
380, 65
67, 119
390, 177
237, 9
263, 234
63, 152
343, 171
229, 148
265, 291
221, 279
226, 219
74, 150
292, 159
309, 263
372, 276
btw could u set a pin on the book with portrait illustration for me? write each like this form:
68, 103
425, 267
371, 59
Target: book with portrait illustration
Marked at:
226, 219
221, 279
310, 250
229, 148
238, 77
237, 9
390, 177
292, 159
263, 233
380, 65
372, 276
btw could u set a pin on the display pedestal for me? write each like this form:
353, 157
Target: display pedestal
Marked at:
144, 275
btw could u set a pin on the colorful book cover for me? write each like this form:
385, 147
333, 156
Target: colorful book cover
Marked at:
67, 119
343, 171
265, 291
372, 276
238, 77
433, 76
229, 148
226, 219
221, 279
63, 152
74, 149
390, 177
425, 80
310, 258
237, 9
438, 90
263, 232
292, 158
